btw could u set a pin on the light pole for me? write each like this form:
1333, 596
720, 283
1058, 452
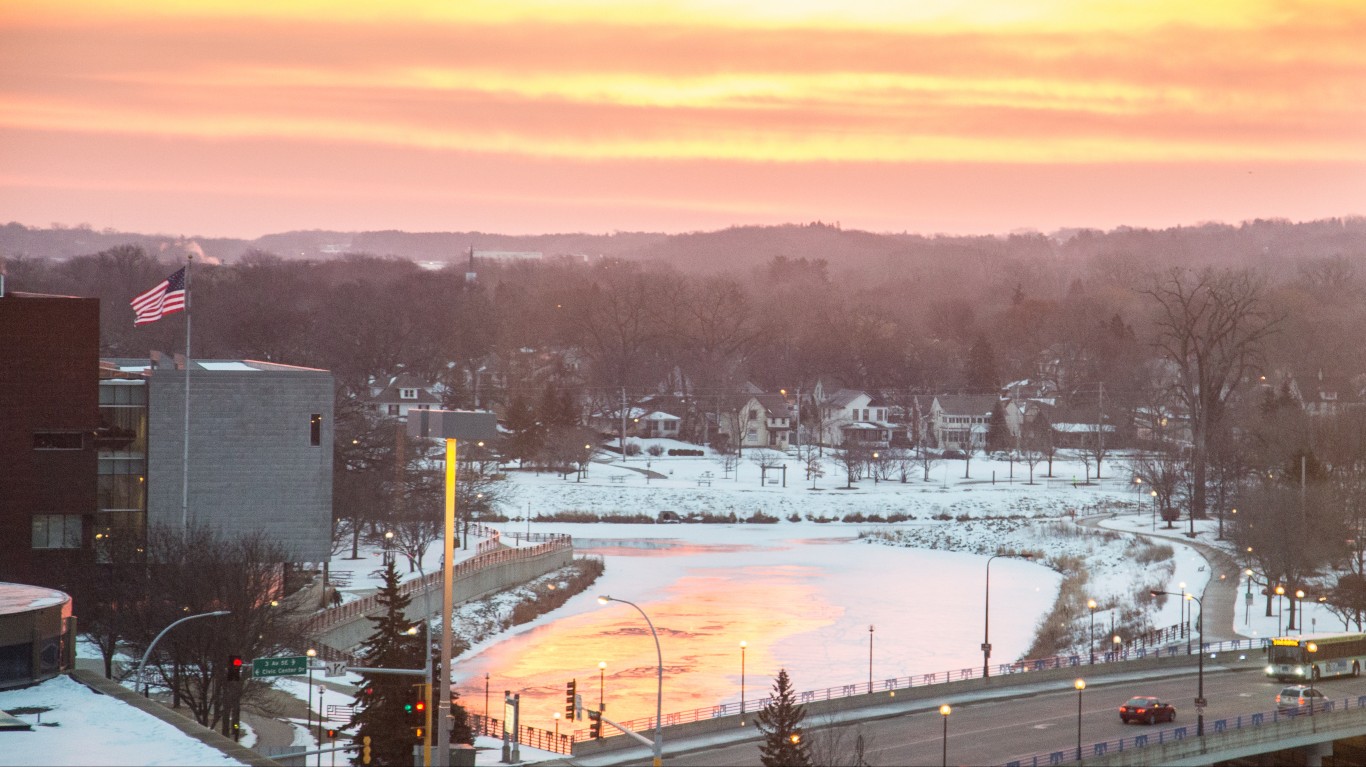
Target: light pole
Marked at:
142, 664
1119, 648
870, 659
944, 712
1299, 607
1080, 684
557, 726
986, 619
1091, 605
427, 671
1247, 599
1154, 495
1312, 648
602, 685
1185, 623
486, 704
308, 699
743, 645
659, 693
1280, 603
1200, 689
875, 459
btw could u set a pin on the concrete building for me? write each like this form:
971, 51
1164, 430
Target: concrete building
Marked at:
260, 449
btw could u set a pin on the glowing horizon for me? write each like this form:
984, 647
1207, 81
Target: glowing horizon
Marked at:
246, 117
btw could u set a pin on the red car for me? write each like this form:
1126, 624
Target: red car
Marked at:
1147, 710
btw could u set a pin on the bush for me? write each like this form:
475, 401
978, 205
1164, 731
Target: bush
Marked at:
942, 516
854, 517
761, 518
655, 450
794, 517
899, 517
822, 519
633, 448
582, 573
683, 451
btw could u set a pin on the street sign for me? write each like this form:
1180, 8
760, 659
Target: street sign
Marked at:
1200, 703
336, 668
288, 665
986, 647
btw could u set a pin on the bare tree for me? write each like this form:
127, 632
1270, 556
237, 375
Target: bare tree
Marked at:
1211, 327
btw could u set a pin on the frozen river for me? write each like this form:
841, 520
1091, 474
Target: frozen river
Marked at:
802, 596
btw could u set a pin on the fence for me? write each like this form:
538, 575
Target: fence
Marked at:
1105, 748
545, 740
943, 677
334, 616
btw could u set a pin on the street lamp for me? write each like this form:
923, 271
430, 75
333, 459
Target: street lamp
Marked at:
142, 664
659, 692
1091, 605
986, 620
1200, 690
870, 659
875, 457
557, 726
1154, 494
743, 645
1280, 603
308, 699
602, 685
1080, 684
1118, 645
1247, 600
944, 712
1299, 596
1312, 648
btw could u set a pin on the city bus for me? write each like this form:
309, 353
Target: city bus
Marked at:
1312, 656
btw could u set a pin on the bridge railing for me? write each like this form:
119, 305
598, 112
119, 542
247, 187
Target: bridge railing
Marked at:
533, 737
942, 677
1170, 734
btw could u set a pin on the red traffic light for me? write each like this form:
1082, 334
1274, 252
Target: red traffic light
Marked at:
237, 661
421, 705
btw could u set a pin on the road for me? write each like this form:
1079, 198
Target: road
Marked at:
992, 732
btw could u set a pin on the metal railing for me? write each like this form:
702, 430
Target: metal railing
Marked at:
334, 616
533, 737
944, 677
1216, 726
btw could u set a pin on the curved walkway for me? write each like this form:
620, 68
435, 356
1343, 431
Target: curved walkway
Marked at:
1219, 599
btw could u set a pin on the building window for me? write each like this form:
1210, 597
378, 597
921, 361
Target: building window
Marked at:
56, 531
58, 440
393, 410
407, 393
315, 429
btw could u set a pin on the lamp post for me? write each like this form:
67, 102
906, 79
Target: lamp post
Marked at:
870, 659
308, 699
1247, 598
743, 645
1312, 647
388, 546
557, 726
1154, 495
1280, 603
486, 703
658, 747
602, 685
1299, 606
944, 712
1091, 605
875, 458
1185, 623
986, 619
1119, 646
1200, 689
1080, 684
142, 664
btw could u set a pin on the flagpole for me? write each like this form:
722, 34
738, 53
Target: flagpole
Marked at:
185, 453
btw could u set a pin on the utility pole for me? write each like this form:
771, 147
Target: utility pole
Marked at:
623, 424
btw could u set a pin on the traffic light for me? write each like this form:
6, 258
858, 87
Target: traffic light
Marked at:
234, 668
570, 696
365, 750
331, 734
595, 724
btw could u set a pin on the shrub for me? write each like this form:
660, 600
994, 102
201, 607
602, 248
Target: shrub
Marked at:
581, 574
794, 517
761, 518
685, 451
656, 450
854, 517
942, 516
633, 448
899, 517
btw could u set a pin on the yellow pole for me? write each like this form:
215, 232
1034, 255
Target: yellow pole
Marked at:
427, 725
443, 715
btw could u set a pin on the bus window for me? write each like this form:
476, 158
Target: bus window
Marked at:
1282, 654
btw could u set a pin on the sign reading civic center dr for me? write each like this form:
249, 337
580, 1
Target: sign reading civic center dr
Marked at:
288, 665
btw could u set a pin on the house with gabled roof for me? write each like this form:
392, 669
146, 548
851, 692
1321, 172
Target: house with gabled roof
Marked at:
854, 415
959, 421
764, 420
403, 393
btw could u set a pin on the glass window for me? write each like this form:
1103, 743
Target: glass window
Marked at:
56, 531
315, 429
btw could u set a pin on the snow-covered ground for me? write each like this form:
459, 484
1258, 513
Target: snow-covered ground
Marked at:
803, 592
80, 727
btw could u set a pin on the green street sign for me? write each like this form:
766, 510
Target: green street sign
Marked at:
289, 665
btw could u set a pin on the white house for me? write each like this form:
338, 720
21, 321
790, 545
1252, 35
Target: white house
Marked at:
404, 392
851, 415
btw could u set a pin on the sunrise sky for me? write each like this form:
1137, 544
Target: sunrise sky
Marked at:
240, 118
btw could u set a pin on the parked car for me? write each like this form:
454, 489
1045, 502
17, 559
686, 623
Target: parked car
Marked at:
1299, 698
1147, 709
956, 455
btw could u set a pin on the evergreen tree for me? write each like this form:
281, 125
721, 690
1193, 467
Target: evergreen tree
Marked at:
528, 435
381, 698
781, 723
998, 431
979, 370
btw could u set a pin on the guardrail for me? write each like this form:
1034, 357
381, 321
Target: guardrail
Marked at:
533, 737
935, 678
1216, 726
334, 616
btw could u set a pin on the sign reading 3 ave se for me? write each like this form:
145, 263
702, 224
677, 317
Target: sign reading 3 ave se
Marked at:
288, 665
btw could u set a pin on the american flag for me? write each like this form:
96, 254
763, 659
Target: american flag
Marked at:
168, 297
